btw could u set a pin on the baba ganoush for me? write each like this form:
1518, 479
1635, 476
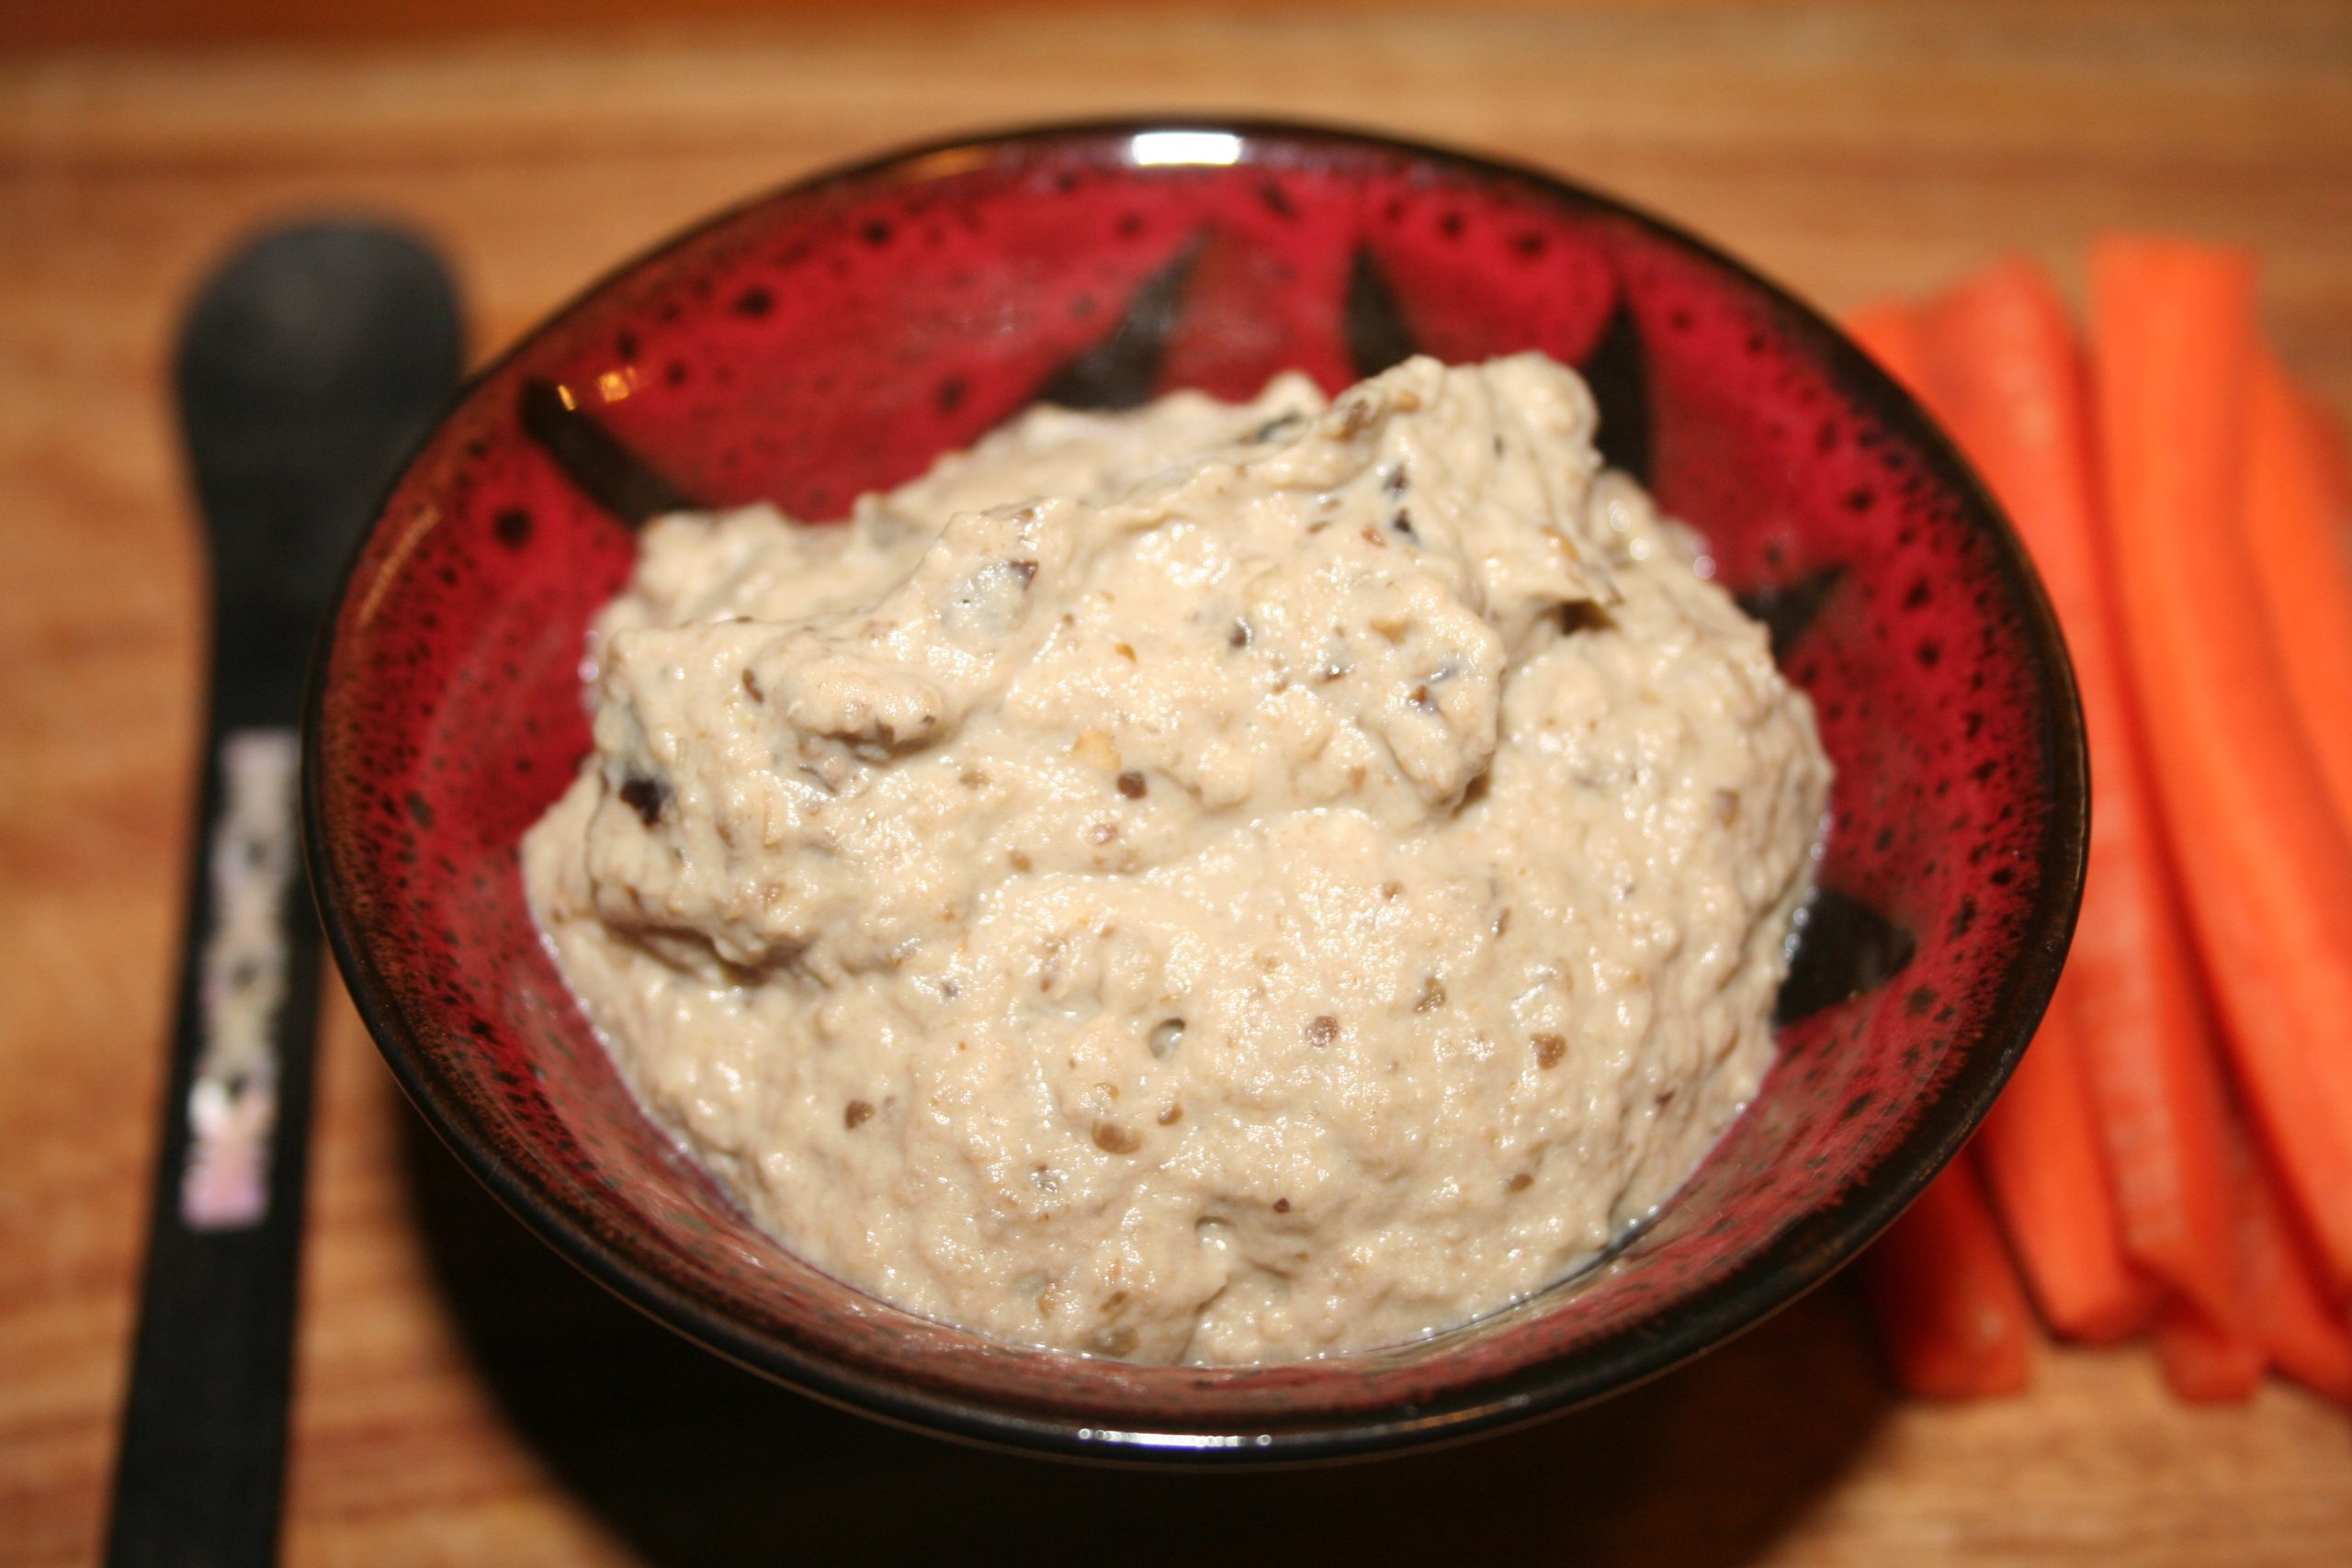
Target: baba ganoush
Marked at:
1214, 883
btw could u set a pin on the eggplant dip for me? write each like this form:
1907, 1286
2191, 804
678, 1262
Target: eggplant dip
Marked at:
1214, 883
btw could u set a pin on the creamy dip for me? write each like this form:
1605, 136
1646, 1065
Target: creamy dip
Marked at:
1215, 883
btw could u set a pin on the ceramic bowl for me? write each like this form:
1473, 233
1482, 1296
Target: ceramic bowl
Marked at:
836, 335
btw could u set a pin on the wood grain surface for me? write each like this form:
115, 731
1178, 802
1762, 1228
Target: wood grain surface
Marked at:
464, 1397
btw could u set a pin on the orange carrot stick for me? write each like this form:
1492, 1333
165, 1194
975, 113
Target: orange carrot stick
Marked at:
2266, 865
2005, 373
2045, 1169
2301, 1333
2205, 1362
1950, 1315
2206, 1358
2334, 467
1890, 332
2306, 578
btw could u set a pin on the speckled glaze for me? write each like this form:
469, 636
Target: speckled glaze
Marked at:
833, 338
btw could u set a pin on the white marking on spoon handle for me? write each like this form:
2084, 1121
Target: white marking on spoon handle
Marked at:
232, 1100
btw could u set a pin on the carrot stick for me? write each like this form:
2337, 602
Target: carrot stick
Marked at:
2044, 1167
2203, 1361
2266, 865
1950, 1315
2082, 1280
2005, 373
1890, 332
2334, 467
2208, 1359
2301, 1333
2306, 578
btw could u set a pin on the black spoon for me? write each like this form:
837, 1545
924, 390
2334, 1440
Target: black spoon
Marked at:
308, 365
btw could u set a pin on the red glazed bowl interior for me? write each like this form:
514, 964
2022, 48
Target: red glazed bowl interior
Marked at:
835, 337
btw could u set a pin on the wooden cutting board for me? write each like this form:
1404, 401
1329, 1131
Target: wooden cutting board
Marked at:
465, 1397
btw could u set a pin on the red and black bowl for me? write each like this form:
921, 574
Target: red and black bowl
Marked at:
835, 336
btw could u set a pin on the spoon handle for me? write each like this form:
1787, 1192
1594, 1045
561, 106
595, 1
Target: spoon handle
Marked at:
201, 1468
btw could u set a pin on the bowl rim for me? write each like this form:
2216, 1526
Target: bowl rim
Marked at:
1803, 1255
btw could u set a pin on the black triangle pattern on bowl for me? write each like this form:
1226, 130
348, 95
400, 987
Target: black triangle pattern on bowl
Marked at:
1122, 370
598, 462
1844, 949
1372, 321
1617, 370
1787, 610
1372, 326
